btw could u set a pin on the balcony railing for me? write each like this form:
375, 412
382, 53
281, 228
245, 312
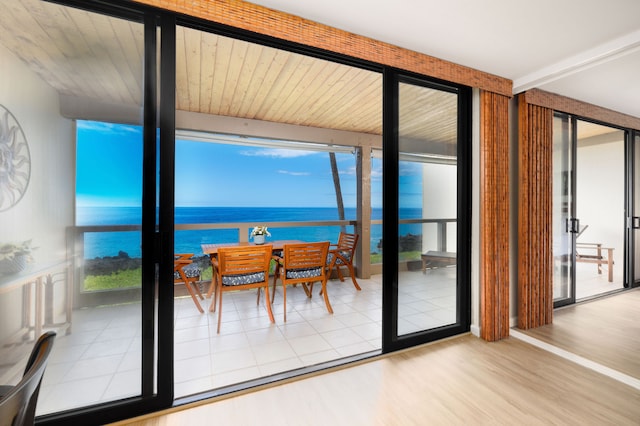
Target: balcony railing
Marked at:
239, 231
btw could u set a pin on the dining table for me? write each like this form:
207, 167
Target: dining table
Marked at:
211, 249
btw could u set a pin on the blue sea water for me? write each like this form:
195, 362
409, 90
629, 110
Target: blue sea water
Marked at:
101, 244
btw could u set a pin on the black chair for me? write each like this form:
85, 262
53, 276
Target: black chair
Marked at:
18, 403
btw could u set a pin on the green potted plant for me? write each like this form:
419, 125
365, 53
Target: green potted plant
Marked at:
15, 256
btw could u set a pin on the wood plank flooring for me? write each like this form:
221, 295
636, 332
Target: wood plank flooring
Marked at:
463, 380
606, 331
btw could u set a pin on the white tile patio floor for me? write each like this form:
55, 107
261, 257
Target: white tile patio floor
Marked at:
100, 360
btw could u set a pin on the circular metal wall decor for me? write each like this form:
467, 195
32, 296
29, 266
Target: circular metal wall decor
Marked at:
15, 161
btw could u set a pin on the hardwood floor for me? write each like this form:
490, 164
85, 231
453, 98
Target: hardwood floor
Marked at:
606, 331
463, 380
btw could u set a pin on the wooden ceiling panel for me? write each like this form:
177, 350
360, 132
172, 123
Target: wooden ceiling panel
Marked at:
91, 56
78, 53
428, 114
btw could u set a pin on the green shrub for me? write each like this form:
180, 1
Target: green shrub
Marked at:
129, 278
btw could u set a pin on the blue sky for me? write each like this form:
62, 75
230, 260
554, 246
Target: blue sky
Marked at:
109, 166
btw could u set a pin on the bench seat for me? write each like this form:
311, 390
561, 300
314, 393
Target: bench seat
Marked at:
596, 256
437, 259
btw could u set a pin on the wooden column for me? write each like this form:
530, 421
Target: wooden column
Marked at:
535, 256
494, 216
363, 211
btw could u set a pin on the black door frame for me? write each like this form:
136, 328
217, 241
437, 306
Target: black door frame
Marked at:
391, 341
632, 215
158, 200
155, 235
629, 197
572, 223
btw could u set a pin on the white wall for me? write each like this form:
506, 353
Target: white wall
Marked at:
439, 186
600, 198
47, 207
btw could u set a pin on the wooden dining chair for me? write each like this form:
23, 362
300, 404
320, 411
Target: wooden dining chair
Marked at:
242, 268
187, 275
302, 263
342, 255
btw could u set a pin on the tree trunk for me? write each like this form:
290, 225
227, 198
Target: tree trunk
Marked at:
336, 184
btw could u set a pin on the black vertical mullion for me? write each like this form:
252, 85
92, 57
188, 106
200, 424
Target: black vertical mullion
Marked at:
149, 258
631, 169
390, 168
464, 208
635, 145
631, 151
573, 160
166, 207
628, 209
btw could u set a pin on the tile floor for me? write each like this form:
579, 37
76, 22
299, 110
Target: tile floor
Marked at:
100, 360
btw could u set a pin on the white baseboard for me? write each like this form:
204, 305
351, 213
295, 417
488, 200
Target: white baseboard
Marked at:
475, 330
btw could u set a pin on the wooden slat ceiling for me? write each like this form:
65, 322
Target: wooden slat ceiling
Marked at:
91, 56
221, 76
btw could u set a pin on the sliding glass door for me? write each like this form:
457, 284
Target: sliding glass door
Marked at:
565, 223
78, 118
633, 218
588, 209
425, 156
97, 187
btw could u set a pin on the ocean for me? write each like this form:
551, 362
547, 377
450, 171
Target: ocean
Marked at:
102, 244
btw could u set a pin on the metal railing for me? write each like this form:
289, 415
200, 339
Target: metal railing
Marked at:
243, 230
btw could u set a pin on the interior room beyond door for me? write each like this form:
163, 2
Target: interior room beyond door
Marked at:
588, 209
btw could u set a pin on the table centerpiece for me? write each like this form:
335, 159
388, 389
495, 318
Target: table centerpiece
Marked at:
259, 233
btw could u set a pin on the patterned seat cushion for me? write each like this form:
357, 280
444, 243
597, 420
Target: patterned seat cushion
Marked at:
241, 279
190, 271
304, 273
345, 254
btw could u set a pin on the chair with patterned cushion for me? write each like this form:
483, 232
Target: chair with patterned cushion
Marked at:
187, 273
302, 263
242, 268
342, 254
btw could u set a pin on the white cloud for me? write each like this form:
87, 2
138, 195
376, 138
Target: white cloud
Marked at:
99, 126
277, 153
376, 171
287, 172
351, 171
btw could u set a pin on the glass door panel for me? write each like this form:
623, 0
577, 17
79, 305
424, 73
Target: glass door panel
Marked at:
600, 201
563, 211
588, 209
427, 208
284, 167
634, 225
71, 116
